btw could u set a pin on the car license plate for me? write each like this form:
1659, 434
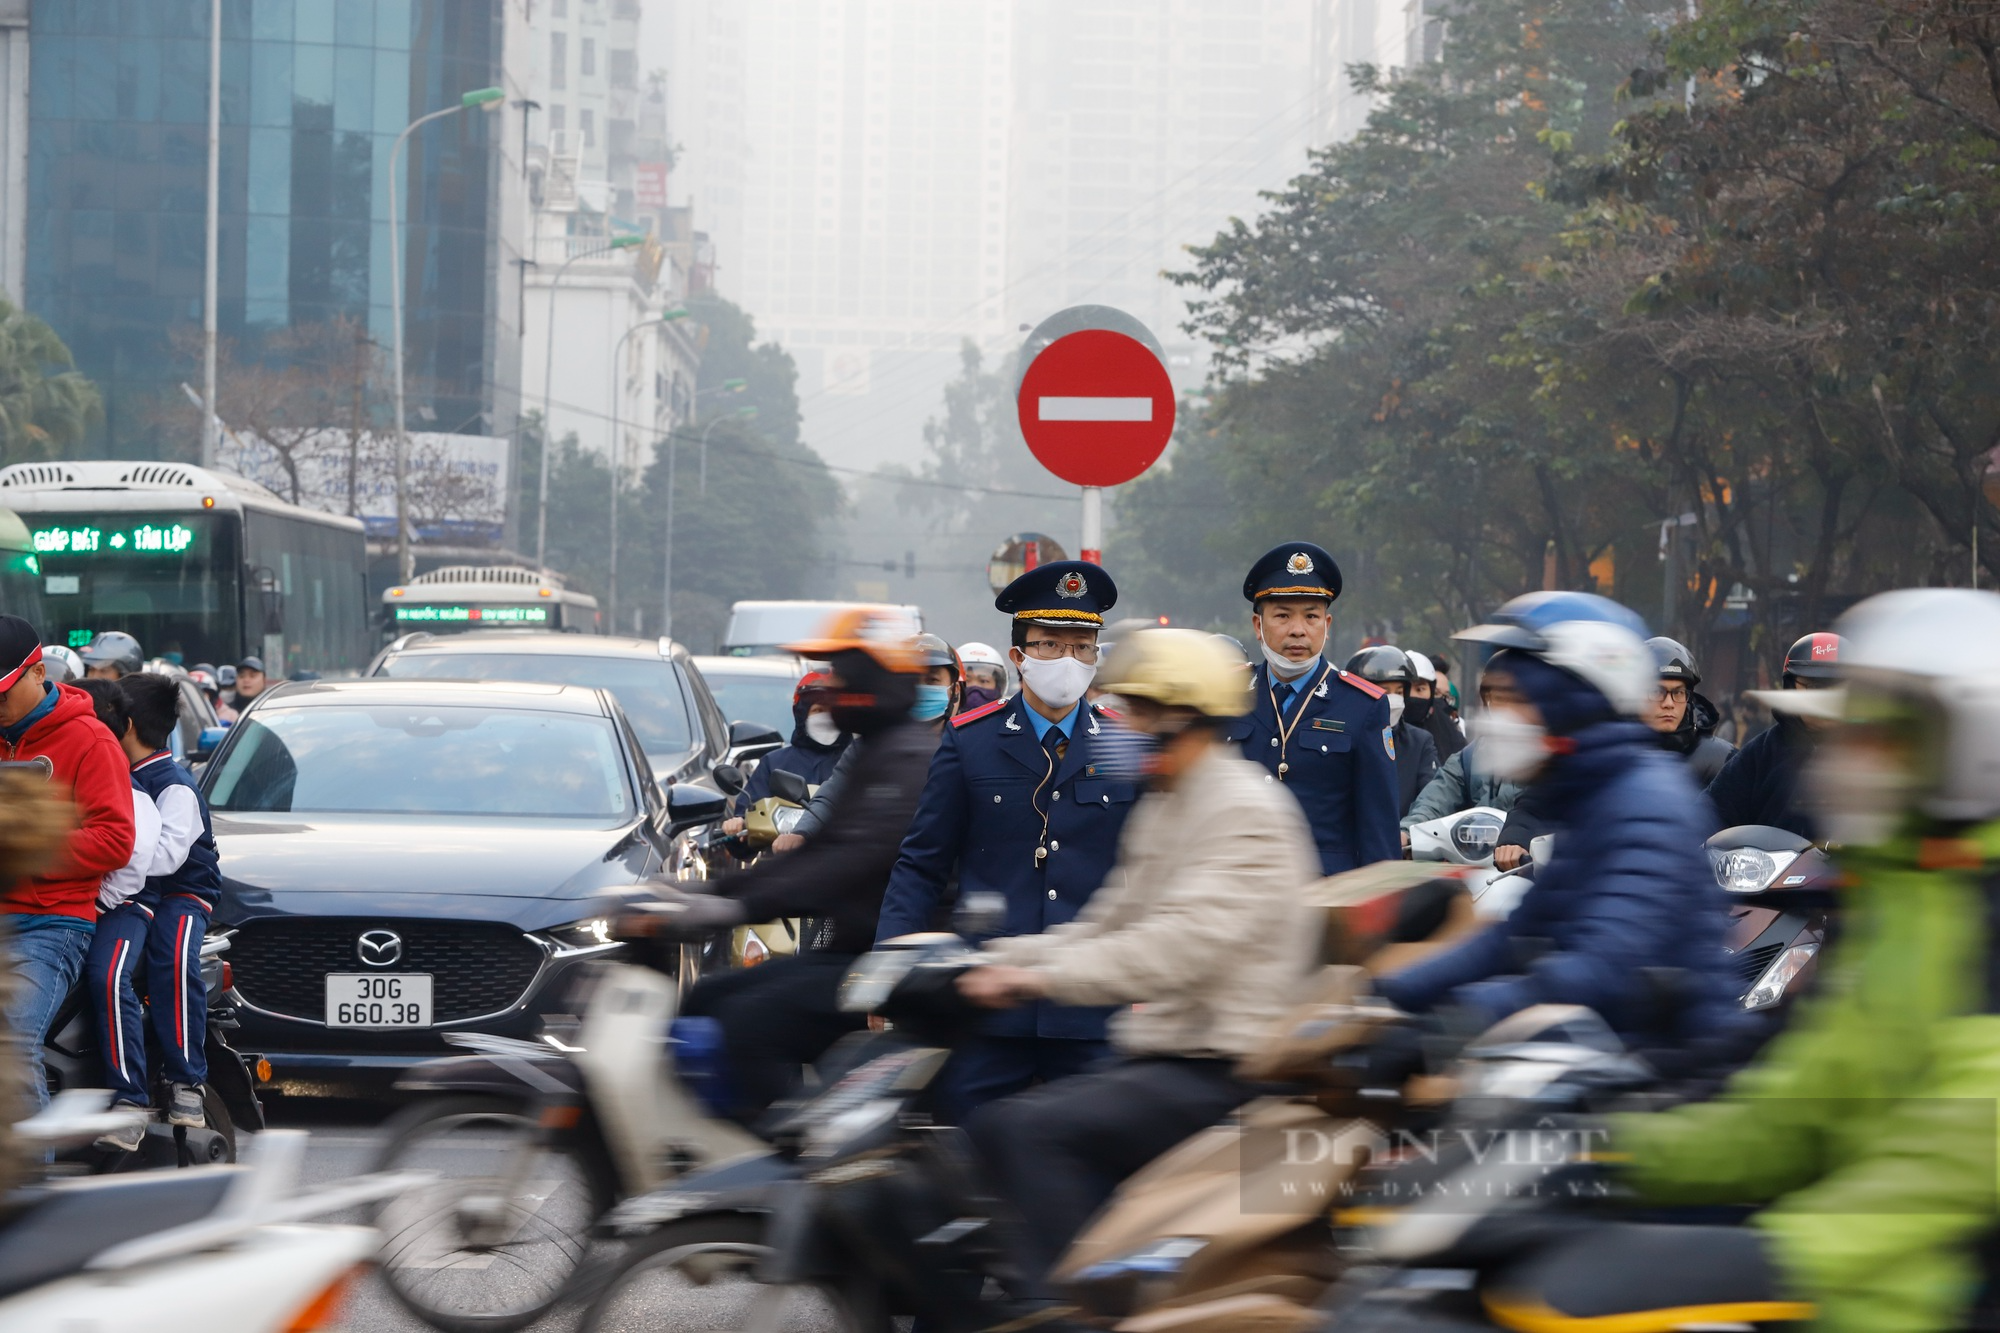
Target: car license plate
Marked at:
378, 1000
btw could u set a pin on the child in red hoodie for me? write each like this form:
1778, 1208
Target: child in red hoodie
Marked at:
52, 915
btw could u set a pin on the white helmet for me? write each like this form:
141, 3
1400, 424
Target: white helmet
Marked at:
1591, 637
1421, 664
62, 663
980, 654
1938, 648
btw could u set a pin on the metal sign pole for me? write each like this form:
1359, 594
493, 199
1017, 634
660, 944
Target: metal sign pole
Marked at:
1093, 525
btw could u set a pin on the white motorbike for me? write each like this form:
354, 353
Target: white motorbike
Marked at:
1468, 839
210, 1249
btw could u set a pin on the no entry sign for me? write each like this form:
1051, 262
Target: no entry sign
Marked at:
1096, 405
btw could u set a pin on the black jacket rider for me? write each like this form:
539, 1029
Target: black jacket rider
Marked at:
1695, 740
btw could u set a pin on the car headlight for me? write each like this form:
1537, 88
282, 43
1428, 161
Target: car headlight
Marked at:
786, 817
1749, 870
590, 933
1770, 987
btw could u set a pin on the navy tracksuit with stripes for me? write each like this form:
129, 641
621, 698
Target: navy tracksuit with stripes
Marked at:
159, 929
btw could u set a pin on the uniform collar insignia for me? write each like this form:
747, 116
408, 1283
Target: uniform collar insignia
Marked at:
1093, 724
1013, 721
1320, 693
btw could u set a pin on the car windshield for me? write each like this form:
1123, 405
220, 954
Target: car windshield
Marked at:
423, 760
648, 690
761, 698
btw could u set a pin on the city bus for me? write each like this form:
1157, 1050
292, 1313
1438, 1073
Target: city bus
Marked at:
198, 565
20, 571
465, 597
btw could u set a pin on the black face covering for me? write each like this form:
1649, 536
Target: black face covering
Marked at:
889, 694
1417, 712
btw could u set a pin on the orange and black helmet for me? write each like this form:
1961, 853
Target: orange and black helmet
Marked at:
884, 637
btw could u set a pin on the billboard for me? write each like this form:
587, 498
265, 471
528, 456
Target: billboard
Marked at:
456, 484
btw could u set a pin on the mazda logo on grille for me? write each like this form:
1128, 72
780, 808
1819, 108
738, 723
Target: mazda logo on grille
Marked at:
379, 948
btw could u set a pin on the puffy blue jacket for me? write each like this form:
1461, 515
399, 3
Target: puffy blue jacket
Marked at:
1627, 888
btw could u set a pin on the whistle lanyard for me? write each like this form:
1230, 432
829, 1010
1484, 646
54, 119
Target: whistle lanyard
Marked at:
1042, 843
1285, 729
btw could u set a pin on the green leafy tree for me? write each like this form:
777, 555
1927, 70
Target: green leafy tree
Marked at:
46, 406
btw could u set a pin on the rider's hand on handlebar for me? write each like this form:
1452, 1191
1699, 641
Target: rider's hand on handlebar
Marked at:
732, 826
1509, 856
680, 914
785, 842
996, 987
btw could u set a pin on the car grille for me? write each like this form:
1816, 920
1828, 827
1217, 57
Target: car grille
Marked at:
477, 967
1750, 964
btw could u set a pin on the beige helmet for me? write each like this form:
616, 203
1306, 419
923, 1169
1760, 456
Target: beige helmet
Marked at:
1178, 668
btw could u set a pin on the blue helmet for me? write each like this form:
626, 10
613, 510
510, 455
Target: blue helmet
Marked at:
1591, 637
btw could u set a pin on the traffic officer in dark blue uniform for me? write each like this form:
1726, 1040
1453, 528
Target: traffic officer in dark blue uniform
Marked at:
1016, 806
1320, 731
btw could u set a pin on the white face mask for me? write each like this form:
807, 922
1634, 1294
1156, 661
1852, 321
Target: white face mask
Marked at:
1511, 748
1858, 796
1060, 683
1283, 667
822, 728
1395, 709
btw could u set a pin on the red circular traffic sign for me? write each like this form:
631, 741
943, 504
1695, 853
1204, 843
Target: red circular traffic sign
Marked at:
1096, 407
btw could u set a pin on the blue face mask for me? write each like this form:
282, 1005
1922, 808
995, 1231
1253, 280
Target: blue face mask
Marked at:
932, 701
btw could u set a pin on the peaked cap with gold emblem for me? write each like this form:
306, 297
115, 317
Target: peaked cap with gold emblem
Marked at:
1071, 593
1295, 569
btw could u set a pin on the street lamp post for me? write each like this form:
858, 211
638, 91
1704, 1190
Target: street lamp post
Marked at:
740, 414
211, 228
667, 565
490, 99
549, 388
612, 453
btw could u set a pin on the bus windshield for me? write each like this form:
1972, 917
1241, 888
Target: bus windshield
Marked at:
167, 579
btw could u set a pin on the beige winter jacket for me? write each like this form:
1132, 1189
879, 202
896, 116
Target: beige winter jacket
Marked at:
1202, 924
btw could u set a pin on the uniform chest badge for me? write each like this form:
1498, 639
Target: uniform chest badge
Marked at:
1071, 585
1328, 724
1300, 563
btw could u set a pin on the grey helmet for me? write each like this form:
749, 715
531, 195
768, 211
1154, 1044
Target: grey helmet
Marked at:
1674, 660
115, 648
1384, 665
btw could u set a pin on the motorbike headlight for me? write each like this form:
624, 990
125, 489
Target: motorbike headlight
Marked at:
1770, 987
1749, 870
786, 817
590, 933
1475, 837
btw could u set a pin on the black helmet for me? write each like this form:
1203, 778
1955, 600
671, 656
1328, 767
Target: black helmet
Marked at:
115, 648
933, 651
1675, 661
1383, 664
1815, 656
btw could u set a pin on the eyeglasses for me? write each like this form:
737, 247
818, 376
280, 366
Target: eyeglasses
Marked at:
1676, 694
1048, 650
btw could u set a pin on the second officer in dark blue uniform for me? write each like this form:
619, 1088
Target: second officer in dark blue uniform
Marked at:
1320, 731
1015, 806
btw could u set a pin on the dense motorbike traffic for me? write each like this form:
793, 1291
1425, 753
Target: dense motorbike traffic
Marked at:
1173, 991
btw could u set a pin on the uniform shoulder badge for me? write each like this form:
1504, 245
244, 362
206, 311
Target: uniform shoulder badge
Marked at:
1389, 741
982, 711
1367, 687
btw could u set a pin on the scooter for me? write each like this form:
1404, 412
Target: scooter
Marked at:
215, 1249
1469, 838
541, 1138
1781, 903
868, 1209
764, 823
229, 1098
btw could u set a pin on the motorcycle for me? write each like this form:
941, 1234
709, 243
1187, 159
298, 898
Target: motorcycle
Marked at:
1780, 890
764, 823
542, 1137
215, 1249
1469, 838
868, 1209
229, 1098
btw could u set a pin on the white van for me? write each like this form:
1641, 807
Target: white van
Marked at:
756, 629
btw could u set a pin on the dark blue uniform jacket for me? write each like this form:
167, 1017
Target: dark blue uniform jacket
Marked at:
994, 796
1337, 762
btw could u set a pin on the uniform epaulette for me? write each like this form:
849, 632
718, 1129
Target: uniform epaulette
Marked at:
1102, 711
980, 712
1367, 687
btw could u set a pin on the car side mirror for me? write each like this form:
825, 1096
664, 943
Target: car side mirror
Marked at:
730, 778
752, 740
688, 806
789, 786
205, 743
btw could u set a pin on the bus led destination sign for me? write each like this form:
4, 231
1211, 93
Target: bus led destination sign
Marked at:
483, 615
145, 539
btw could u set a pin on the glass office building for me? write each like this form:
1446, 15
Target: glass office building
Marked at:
314, 93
